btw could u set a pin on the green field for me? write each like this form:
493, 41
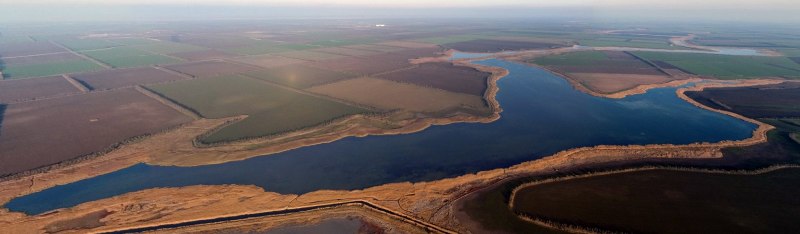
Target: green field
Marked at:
299, 77
572, 59
121, 57
728, 66
271, 109
268, 47
46, 69
666, 201
165, 47
87, 44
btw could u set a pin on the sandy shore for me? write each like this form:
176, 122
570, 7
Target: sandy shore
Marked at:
427, 201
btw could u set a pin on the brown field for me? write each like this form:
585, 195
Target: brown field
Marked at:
28, 48
39, 59
444, 76
408, 44
203, 55
346, 51
41, 133
368, 65
374, 47
384, 94
28, 89
268, 61
299, 76
310, 55
118, 78
209, 68
419, 53
611, 83
490, 46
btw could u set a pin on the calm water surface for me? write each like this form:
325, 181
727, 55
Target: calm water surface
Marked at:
542, 115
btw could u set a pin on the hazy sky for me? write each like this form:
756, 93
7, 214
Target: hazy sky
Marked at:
785, 11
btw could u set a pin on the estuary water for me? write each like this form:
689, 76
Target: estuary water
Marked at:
542, 114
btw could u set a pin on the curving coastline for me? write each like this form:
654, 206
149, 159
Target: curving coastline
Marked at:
430, 201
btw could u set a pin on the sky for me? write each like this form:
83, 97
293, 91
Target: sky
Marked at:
758, 10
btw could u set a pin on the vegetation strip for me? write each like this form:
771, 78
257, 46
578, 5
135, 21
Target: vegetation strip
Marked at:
381, 209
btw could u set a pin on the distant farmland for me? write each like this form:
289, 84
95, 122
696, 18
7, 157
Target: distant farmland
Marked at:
272, 109
491, 46
444, 76
209, 68
122, 57
27, 89
727, 66
118, 78
299, 76
45, 65
40, 133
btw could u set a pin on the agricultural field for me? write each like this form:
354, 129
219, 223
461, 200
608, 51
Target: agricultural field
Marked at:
347, 51
271, 109
203, 55
29, 89
443, 76
310, 55
727, 66
383, 94
408, 44
209, 68
44, 132
375, 48
268, 61
299, 76
379, 63
492, 45
118, 78
16, 49
49, 68
688, 202
87, 44
770, 101
604, 72
124, 57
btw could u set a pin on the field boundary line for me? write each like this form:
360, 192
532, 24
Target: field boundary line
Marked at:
300, 91
163, 100
98, 62
79, 85
174, 72
648, 62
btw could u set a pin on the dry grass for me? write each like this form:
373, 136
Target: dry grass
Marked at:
612, 83
390, 95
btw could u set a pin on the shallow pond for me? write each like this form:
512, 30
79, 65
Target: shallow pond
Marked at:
542, 114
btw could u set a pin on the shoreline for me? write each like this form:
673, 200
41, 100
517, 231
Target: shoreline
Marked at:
432, 201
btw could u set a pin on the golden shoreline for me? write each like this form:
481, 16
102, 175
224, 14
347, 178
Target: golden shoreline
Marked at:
430, 201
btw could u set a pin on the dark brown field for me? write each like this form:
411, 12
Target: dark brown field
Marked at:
491, 46
41, 133
203, 55
299, 76
112, 79
444, 76
769, 101
28, 89
28, 48
209, 68
375, 64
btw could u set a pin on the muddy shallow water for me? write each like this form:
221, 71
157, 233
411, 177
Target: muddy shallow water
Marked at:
542, 114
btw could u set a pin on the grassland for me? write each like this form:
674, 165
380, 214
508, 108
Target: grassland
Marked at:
728, 66
46, 69
122, 57
383, 94
271, 109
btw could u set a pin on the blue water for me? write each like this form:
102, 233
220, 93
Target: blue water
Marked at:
542, 114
